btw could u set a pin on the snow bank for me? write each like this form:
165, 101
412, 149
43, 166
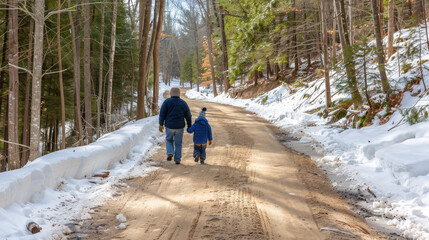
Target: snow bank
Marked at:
80, 162
392, 160
392, 164
58, 189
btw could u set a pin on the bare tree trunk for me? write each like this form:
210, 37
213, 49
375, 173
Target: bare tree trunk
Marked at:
39, 8
25, 128
348, 55
324, 10
13, 147
426, 24
132, 12
197, 62
76, 70
60, 64
156, 58
209, 39
224, 49
380, 51
87, 70
391, 28
145, 14
3, 59
100, 73
149, 55
307, 37
111, 61
334, 36
351, 30
381, 17
294, 39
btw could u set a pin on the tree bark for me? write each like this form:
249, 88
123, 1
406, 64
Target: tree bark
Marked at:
426, 24
132, 15
149, 55
111, 61
294, 39
87, 70
391, 27
76, 70
334, 36
60, 65
324, 10
25, 128
348, 55
3, 59
39, 8
224, 48
209, 39
100, 73
351, 22
381, 17
156, 58
380, 51
145, 14
197, 61
13, 100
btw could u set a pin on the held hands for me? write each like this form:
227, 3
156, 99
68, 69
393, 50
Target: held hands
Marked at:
161, 128
210, 142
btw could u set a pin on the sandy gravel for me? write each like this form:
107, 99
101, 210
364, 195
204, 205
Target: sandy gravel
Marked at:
252, 187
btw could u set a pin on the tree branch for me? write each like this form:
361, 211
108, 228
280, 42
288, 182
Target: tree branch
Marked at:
21, 68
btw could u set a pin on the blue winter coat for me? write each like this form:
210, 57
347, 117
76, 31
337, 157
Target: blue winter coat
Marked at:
202, 130
173, 112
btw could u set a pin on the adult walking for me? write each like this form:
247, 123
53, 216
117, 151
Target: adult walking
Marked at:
173, 113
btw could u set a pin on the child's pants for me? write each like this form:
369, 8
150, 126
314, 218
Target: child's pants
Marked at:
200, 150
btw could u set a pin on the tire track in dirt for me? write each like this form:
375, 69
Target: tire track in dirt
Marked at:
250, 188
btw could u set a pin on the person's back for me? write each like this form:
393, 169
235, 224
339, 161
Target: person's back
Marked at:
202, 132
174, 111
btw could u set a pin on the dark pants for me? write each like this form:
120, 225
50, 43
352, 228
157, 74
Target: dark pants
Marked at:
200, 151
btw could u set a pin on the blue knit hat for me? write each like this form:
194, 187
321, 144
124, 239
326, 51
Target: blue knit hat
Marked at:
203, 112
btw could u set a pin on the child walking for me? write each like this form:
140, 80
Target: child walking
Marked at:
202, 132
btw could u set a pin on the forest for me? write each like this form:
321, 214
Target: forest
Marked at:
316, 114
74, 70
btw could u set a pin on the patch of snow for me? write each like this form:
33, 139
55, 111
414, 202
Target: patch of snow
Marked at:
121, 218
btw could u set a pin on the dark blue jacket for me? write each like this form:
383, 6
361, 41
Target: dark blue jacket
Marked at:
202, 130
173, 112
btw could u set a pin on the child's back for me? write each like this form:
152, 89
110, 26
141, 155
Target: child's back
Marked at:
202, 132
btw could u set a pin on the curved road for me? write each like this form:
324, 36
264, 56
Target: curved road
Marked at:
250, 188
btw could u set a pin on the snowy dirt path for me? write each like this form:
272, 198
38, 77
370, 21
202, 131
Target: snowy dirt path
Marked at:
252, 187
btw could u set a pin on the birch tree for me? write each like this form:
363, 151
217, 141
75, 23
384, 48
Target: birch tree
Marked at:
111, 61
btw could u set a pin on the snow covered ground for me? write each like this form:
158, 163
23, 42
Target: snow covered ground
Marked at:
59, 188
389, 167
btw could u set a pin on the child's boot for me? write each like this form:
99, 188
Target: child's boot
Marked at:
201, 160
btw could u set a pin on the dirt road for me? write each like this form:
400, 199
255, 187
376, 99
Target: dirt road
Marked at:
252, 187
